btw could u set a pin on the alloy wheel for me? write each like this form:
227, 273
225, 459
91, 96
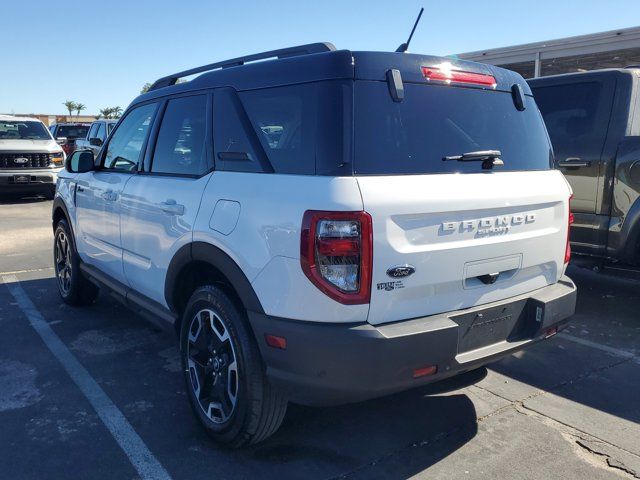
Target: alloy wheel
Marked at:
212, 366
64, 267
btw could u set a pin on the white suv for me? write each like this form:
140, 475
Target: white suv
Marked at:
324, 227
30, 158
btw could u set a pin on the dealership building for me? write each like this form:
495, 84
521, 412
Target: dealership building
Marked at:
614, 49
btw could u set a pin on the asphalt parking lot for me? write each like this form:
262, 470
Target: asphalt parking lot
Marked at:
567, 408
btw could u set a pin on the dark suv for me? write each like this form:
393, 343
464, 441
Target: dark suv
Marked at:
593, 120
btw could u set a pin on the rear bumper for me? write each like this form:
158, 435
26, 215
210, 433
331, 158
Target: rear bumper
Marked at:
329, 364
40, 180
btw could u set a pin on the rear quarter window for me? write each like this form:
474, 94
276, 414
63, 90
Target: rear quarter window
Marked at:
413, 136
300, 129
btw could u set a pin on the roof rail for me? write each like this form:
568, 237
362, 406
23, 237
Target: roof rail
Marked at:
281, 53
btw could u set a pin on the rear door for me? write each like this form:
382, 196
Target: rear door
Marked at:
469, 235
577, 114
159, 206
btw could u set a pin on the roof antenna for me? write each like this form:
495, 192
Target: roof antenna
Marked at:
403, 48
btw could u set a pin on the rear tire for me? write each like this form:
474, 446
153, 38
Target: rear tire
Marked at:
75, 289
224, 373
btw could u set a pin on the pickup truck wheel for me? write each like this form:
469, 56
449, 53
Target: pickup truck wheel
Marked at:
224, 372
74, 288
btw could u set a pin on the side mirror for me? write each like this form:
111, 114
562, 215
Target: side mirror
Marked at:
61, 140
96, 142
80, 161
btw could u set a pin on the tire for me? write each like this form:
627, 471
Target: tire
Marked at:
74, 288
224, 373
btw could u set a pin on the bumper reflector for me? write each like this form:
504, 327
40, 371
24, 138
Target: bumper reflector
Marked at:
425, 371
275, 341
551, 332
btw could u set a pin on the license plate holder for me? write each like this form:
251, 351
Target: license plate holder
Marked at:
481, 328
21, 179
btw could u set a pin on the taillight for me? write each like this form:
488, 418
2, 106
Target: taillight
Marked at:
336, 254
444, 73
567, 252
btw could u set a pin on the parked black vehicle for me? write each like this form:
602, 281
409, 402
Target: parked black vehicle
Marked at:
66, 134
593, 119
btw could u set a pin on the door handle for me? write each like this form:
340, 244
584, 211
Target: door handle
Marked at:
80, 188
574, 162
171, 207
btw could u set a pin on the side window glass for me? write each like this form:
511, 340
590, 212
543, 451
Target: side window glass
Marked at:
576, 116
180, 147
126, 144
93, 130
101, 132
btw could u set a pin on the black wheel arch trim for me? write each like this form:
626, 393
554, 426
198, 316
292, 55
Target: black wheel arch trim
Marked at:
630, 232
58, 204
217, 258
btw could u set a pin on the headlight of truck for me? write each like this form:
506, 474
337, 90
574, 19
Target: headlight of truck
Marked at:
57, 159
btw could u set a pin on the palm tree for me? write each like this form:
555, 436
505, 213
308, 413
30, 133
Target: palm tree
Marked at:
70, 106
116, 112
106, 112
79, 108
145, 88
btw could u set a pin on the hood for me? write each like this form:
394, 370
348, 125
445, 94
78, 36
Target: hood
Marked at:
36, 146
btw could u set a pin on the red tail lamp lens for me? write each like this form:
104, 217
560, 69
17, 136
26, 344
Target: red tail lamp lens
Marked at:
336, 253
571, 219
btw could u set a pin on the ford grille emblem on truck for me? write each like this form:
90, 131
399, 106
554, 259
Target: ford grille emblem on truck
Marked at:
489, 225
401, 271
21, 160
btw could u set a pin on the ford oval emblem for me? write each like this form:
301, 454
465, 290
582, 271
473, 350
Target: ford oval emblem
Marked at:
21, 160
401, 271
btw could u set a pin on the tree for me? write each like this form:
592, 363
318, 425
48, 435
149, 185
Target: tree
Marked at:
70, 106
79, 108
105, 113
110, 112
147, 86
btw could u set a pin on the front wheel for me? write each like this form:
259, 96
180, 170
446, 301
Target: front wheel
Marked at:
224, 372
74, 288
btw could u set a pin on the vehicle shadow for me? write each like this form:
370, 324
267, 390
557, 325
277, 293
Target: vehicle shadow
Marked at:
118, 348
14, 199
353, 437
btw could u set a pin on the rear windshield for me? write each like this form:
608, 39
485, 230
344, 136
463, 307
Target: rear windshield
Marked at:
432, 122
11, 130
72, 131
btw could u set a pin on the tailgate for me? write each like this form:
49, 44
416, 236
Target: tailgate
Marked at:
469, 239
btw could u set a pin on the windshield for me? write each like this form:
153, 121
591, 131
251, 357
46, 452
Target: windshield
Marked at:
72, 131
23, 130
433, 122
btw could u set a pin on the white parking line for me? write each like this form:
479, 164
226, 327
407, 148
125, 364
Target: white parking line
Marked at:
147, 466
605, 348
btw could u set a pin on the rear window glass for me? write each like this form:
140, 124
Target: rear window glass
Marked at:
432, 122
576, 115
72, 131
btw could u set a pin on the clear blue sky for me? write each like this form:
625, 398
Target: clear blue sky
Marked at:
101, 53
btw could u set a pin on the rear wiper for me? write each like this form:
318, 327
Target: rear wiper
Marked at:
489, 158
